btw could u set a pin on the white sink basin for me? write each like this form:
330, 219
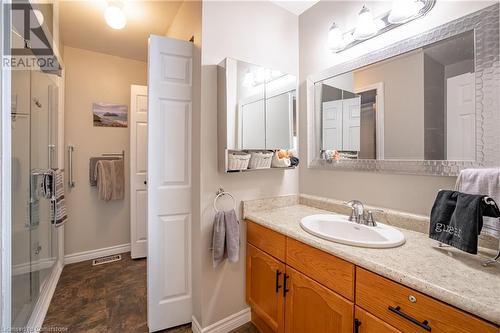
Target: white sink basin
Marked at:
338, 228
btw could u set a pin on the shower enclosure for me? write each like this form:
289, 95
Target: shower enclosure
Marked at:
34, 116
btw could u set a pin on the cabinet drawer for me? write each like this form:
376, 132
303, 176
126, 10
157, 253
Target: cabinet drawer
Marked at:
391, 302
267, 240
367, 323
330, 271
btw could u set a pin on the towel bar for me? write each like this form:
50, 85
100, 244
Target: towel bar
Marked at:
221, 193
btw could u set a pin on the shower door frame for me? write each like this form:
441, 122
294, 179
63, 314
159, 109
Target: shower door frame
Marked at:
5, 187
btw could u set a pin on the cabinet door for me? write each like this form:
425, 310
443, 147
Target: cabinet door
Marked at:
368, 323
264, 286
310, 307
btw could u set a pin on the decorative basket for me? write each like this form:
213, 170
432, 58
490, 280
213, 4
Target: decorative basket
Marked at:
238, 161
260, 160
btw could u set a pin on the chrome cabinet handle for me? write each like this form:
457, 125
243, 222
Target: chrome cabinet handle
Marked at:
71, 182
424, 324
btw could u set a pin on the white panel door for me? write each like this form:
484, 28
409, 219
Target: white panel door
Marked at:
351, 121
169, 182
279, 121
461, 118
332, 125
253, 125
138, 170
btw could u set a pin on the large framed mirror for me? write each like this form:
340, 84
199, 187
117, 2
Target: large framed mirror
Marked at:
426, 105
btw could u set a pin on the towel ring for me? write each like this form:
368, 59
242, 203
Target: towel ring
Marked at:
221, 193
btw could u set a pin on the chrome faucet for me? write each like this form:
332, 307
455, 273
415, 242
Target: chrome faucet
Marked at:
358, 213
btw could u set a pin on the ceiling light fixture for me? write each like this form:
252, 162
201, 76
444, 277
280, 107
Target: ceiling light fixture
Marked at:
368, 26
115, 16
404, 10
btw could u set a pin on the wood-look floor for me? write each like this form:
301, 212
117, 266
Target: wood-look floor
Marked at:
105, 298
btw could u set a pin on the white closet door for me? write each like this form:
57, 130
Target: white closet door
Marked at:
332, 125
461, 118
169, 182
351, 123
138, 170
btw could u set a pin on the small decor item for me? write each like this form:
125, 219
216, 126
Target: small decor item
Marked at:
280, 159
110, 115
260, 160
237, 161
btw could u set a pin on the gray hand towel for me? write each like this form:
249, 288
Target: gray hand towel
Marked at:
232, 235
218, 239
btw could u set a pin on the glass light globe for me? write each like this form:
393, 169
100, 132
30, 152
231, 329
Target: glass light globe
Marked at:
404, 10
115, 17
366, 26
335, 38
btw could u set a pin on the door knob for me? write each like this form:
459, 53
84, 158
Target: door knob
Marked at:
145, 182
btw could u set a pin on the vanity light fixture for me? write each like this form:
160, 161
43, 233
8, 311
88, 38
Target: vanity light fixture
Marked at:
404, 10
260, 76
248, 80
368, 26
335, 38
115, 16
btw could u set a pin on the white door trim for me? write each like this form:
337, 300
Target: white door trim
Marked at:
379, 120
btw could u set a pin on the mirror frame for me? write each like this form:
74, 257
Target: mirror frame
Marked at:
485, 24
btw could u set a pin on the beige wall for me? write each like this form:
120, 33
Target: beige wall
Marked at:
404, 192
403, 103
257, 32
96, 77
187, 23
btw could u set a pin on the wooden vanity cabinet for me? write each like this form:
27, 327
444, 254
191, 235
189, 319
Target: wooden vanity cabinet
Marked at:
295, 288
264, 290
311, 307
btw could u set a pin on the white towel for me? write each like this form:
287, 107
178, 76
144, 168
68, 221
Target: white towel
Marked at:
485, 182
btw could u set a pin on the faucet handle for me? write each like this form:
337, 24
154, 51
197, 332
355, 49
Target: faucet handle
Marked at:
370, 220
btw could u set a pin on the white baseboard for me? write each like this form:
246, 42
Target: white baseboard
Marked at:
42, 306
93, 254
225, 325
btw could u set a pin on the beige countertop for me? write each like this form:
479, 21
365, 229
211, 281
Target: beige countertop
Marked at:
447, 274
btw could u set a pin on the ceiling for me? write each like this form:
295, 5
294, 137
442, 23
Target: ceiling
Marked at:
82, 25
296, 7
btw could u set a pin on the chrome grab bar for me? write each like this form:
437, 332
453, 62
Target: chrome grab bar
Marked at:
71, 182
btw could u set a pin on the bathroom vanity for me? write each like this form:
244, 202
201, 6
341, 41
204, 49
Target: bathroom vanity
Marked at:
297, 282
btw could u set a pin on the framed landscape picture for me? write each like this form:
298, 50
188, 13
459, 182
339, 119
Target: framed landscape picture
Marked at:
110, 115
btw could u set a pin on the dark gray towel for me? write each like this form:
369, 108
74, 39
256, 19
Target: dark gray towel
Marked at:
457, 218
218, 239
232, 235
92, 168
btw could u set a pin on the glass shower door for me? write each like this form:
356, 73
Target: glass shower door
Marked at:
34, 238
